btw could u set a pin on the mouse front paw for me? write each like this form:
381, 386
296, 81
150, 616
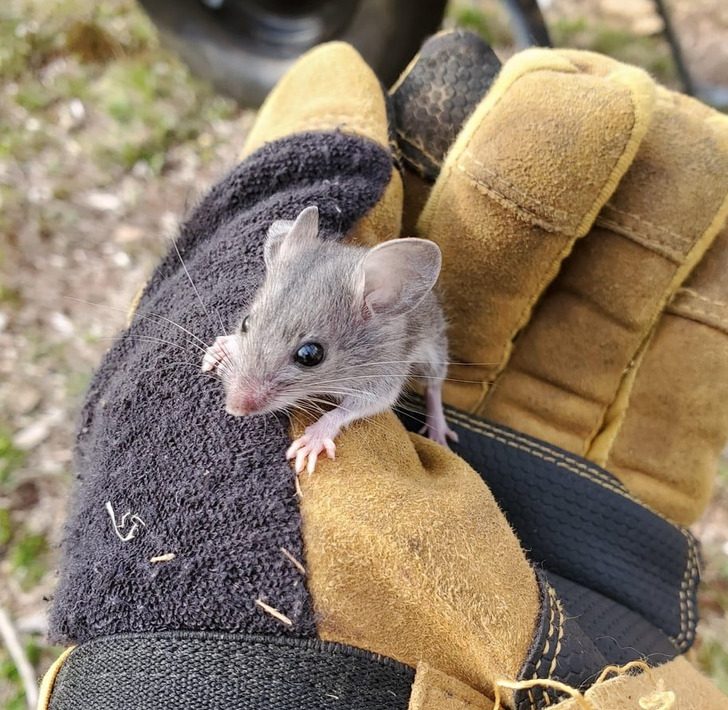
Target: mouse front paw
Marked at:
306, 449
217, 353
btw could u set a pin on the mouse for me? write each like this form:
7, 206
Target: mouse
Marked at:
336, 330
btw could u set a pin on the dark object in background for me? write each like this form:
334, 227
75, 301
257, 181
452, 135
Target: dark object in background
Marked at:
244, 46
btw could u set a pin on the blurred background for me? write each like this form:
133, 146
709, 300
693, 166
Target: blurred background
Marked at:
107, 138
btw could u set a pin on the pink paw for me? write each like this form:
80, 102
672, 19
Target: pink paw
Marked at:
439, 432
308, 447
217, 353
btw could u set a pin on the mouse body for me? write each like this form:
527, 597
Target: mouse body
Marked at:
336, 330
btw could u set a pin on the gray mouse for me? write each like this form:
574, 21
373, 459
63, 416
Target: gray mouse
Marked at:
336, 324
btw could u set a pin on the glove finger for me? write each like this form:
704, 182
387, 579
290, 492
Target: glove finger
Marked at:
523, 181
350, 101
667, 448
436, 94
431, 101
569, 378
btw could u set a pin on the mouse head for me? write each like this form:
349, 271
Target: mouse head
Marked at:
324, 312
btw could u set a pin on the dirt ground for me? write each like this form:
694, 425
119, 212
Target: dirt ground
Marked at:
105, 142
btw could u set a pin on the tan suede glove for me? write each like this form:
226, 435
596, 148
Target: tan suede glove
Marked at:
580, 214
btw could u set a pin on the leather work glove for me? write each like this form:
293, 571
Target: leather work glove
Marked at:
196, 575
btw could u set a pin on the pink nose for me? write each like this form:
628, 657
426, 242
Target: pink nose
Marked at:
240, 403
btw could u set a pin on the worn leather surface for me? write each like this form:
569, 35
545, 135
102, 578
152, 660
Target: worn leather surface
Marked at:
617, 581
576, 520
598, 345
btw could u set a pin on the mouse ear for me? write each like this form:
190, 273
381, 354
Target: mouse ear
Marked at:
284, 234
397, 275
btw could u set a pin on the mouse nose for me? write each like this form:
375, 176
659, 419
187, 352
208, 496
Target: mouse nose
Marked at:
240, 403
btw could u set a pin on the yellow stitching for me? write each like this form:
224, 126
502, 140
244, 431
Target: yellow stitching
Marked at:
556, 458
589, 470
552, 668
651, 225
419, 166
550, 597
525, 213
687, 614
703, 316
652, 243
555, 211
700, 297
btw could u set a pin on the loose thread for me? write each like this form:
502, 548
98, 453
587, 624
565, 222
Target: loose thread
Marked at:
293, 560
658, 699
621, 670
166, 557
581, 701
274, 612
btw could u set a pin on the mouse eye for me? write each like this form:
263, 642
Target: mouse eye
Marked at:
244, 326
309, 354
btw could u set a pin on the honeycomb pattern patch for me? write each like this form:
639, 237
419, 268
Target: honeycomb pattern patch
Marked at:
444, 84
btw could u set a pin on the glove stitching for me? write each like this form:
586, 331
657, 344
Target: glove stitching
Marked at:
548, 641
700, 297
681, 238
588, 470
530, 203
555, 211
687, 614
684, 309
555, 601
525, 214
653, 243
563, 462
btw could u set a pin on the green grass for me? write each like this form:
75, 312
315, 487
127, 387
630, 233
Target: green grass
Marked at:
488, 21
107, 55
11, 688
713, 660
11, 458
28, 560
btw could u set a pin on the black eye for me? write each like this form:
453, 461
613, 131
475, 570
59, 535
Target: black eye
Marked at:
309, 354
244, 326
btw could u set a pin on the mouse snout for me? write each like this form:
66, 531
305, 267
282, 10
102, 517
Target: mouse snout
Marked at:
245, 400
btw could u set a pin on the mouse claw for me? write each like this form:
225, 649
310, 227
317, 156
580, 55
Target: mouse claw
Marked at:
295, 446
306, 450
217, 353
330, 447
301, 459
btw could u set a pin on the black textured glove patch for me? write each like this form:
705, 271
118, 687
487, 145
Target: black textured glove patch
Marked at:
158, 460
